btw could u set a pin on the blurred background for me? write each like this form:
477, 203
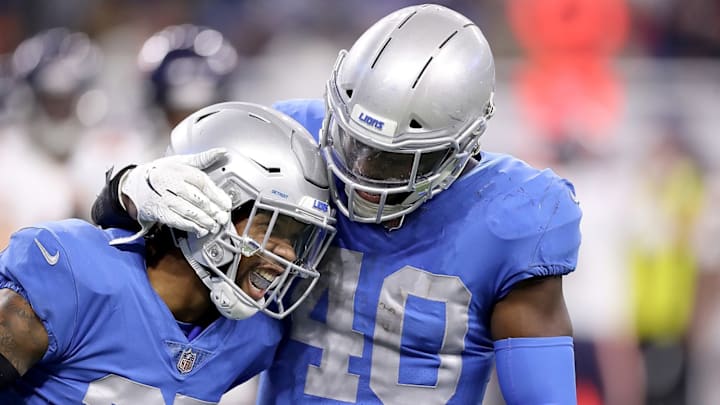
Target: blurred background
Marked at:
622, 97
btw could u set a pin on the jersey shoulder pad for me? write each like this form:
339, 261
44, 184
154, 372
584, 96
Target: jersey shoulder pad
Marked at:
308, 112
34, 248
530, 201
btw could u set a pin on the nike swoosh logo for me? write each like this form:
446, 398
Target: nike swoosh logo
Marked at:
51, 259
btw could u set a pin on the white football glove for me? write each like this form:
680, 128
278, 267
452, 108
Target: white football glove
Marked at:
175, 191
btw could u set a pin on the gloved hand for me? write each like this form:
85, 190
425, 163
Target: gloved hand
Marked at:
175, 191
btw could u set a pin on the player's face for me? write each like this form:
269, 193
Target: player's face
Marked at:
256, 272
383, 168
380, 166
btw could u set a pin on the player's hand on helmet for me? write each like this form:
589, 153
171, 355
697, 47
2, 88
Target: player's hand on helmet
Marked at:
175, 191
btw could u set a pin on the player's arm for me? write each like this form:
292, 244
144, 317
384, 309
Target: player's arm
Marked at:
173, 191
533, 344
23, 338
530, 323
533, 308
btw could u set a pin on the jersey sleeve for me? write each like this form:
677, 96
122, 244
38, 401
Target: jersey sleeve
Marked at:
35, 265
539, 223
308, 112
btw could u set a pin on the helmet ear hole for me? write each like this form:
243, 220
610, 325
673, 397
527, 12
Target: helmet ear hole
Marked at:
415, 124
349, 93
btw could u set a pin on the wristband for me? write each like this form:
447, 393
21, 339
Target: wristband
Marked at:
107, 211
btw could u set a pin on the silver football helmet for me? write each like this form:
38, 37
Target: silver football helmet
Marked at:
405, 109
275, 173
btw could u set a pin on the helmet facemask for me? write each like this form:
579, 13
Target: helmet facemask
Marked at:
218, 258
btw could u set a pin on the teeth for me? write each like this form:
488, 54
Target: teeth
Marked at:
261, 279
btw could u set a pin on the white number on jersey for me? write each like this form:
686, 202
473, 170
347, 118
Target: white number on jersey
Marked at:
116, 390
339, 341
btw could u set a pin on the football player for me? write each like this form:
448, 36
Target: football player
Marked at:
103, 316
185, 67
62, 68
448, 259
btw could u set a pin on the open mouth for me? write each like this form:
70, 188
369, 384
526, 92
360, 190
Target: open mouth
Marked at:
260, 280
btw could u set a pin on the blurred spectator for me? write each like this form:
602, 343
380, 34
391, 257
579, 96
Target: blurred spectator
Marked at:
186, 67
14, 95
61, 67
663, 264
565, 84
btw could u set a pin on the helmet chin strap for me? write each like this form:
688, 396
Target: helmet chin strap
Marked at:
222, 295
224, 298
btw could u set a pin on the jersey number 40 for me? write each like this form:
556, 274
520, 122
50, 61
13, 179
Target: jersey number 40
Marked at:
339, 340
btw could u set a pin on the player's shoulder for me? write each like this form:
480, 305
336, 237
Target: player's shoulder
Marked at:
53, 236
523, 200
72, 247
68, 235
308, 112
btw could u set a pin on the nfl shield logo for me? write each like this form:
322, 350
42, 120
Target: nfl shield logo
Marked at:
187, 361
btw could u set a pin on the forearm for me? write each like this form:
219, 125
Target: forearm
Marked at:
107, 211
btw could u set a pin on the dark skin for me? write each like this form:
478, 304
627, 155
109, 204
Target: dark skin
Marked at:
24, 340
534, 308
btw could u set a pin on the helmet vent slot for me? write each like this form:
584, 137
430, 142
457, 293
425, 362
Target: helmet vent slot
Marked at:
202, 117
407, 19
447, 39
380, 53
259, 117
421, 72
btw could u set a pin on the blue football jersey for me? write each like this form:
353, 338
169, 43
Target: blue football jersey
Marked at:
112, 340
402, 317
